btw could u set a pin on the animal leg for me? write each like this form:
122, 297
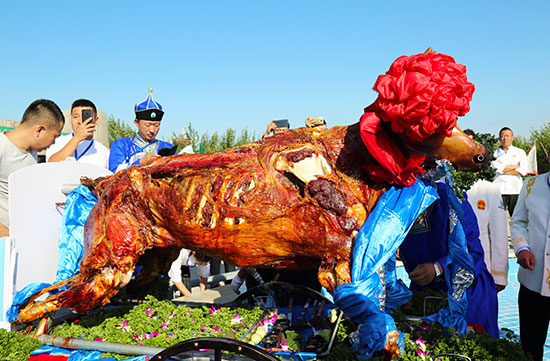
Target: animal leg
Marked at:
343, 273
327, 274
83, 295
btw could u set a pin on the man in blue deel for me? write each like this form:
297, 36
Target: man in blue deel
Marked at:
426, 249
144, 147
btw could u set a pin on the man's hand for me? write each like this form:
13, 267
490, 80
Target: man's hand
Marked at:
500, 287
4, 230
236, 283
85, 130
148, 158
423, 274
526, 259
270, 128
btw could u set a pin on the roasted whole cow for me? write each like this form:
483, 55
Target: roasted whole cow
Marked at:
292, 200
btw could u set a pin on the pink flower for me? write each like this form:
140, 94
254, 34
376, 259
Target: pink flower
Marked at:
155, 334
213, 310
236, 319
284, 346
149, 311
216, 329
421, 350
137, 337
421, 344
164, 326
203, 328
188, 313
124, 326
98, 338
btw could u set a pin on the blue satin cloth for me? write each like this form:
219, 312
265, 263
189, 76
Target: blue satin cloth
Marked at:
376, 244
70, 247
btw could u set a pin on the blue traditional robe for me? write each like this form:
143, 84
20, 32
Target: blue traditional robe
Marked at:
427, 242
129, 151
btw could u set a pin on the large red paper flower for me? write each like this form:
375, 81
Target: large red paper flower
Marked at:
423, 94
420, 95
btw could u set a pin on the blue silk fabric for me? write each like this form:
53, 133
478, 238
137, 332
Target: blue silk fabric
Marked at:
376, 244
70, 246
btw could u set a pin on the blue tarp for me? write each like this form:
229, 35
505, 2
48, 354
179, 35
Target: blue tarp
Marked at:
80, 355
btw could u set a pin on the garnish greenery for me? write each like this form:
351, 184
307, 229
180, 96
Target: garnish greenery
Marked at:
163, 323
16, 347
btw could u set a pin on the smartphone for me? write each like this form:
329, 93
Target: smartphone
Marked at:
86, 114
282, 123
167, 151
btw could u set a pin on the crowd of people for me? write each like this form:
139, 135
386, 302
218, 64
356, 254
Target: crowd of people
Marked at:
487, 201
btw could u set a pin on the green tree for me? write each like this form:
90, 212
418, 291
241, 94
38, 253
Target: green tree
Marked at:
118, 129
542, 137
463, 180
208, 143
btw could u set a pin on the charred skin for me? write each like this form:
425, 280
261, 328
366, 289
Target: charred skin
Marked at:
293, 200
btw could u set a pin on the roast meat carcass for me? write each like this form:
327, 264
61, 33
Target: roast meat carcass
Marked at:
291, 200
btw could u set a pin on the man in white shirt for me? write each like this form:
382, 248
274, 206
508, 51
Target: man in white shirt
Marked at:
40, 125
80, 145
486, 201
510, 164
188, 259
531, 240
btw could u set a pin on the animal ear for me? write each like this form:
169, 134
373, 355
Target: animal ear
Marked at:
429, 50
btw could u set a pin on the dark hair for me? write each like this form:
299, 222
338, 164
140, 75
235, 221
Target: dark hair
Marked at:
43, 111
469, 132
84, 103
503, 129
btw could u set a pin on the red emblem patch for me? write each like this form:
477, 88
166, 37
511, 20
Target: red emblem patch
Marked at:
481, 204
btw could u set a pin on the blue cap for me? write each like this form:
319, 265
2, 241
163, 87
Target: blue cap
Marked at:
149, 109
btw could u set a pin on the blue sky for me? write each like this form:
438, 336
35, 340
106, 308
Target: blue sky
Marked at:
239, 64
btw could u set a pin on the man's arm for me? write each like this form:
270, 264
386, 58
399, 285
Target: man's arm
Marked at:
204, 282
83, 132
425, 273
511, 169
117, 155
181, 287
519, 228
4, 230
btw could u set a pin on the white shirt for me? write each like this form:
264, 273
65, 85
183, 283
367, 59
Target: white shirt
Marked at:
87, 151
530, 227
509, 184
11, 159
485, 199
185, 258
